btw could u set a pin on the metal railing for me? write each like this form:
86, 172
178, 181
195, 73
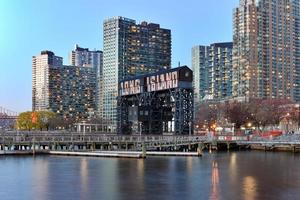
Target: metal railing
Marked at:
45, 136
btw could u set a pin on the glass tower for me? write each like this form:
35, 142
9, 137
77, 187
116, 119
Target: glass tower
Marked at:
130, 49
245, 52
212, 67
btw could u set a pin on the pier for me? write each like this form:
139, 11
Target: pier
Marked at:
92, 141
137, 146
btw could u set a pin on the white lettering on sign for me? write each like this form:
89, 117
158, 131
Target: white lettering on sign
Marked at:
130, 87
162, 82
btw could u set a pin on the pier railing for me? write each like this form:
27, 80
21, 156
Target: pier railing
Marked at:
74, 137
65, 138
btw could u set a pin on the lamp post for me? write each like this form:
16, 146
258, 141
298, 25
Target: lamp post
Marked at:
298, 116
190, 128
288, 122
140, 130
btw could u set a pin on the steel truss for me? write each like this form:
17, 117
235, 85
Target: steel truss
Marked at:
161, 112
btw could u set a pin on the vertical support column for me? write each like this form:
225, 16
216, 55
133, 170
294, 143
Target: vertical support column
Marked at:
3, 145
144, 150
293, 147
228, 146
199, 149
33, 150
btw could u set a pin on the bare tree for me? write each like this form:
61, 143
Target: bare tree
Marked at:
206, 114
238, 113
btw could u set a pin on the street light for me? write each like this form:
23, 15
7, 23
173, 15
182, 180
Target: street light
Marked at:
140, 131
249, 124
190, 128
298, 116
288, 121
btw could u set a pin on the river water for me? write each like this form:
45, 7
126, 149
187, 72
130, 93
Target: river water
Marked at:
228, 175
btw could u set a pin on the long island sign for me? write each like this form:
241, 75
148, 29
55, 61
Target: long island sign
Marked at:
164, 80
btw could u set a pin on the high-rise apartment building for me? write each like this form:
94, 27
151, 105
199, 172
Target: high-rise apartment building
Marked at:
279, 48
40, 78
212, 70
130, 49
245, 52
266, 49
66, 90
83, 57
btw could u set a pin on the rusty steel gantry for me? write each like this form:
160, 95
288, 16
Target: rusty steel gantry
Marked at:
157, 103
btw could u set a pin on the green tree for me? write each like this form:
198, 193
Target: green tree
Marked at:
25, 120
43, 119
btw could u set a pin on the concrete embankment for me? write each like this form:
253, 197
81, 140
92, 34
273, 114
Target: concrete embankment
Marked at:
290, 148
23, 152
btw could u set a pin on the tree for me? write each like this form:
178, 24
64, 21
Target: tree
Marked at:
43, 119
207, 114
260, 112
237, 113
24, 121
34, 120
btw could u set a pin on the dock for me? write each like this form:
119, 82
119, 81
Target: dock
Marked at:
111, 154
167, 153
159, 153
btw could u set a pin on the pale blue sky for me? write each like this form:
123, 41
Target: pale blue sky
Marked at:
29, 26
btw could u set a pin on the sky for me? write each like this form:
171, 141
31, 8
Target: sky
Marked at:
30, 26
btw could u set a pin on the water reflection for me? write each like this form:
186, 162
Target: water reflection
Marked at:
84, 174
176, 178
249, 187
40, 169
189, 164
140, 165
215, 180
233, 167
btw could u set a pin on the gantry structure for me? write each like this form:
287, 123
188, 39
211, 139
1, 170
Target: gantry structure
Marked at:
157, 103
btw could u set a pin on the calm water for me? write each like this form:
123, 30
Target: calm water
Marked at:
235, 175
